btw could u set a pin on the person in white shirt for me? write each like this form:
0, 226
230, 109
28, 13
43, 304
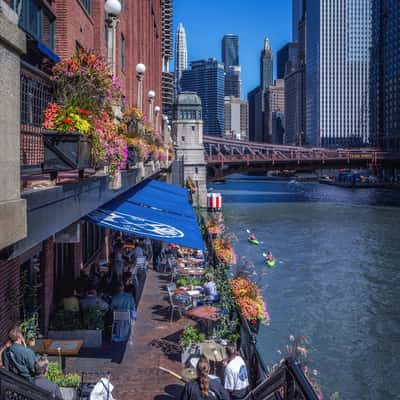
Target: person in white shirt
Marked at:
236, 376
102, 390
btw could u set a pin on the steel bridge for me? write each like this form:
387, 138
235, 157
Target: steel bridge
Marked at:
226, 156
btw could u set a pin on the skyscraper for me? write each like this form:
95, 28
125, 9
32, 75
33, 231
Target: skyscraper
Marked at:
181, 60
274, 99
297, 11
287, 54
266, 65
337, 64
236, 118
230, 50
230, 59
385, 75
206, 78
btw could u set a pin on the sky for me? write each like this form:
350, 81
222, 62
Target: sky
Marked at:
206, 22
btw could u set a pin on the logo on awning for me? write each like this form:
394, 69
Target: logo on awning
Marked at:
135, 225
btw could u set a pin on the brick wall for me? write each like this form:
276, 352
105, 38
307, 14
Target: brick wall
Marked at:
9, 295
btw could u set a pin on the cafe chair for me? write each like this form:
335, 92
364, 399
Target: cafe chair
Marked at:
121, 326
171, 287
179, 303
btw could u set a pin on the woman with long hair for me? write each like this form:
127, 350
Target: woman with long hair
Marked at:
204, 388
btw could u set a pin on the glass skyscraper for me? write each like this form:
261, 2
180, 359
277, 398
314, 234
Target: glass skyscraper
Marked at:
337, 73
230, 50
385, 74
206, 78
181, 59
266, 65
230, 59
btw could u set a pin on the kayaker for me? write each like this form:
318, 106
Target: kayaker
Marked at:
269, 257
252, 237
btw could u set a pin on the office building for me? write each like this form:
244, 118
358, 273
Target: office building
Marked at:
181, 58
256, 97
337, 66
206, 78
266, 65
167, 86
297, 12
287, 56
385, 75
236, 118
230, 59
274, 99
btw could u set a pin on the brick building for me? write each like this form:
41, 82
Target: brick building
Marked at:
58, 244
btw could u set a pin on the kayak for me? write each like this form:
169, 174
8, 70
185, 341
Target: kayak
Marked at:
270, 264
253, 241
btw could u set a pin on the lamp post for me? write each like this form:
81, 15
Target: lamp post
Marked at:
157, 110
140, 70
113, 9
151, 94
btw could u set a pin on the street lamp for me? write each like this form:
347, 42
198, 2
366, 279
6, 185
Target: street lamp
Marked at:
112, 8
151, 94
157, 110
140, 70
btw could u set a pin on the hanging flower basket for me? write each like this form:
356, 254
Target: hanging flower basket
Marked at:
65, 151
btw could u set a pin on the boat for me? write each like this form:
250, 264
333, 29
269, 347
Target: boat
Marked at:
253, 241
270, 263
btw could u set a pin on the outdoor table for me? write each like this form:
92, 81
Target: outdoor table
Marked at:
190, 271
194, 293
208, 313
62, 348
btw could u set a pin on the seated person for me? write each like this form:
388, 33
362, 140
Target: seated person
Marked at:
40, 380
70, 302
122, 301
18, 358
210, 289
91, 300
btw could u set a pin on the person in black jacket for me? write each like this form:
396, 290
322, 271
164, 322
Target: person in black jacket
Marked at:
203, 388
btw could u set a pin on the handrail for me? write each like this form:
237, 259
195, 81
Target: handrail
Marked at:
13, 386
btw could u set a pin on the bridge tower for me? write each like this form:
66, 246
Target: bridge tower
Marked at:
188, 132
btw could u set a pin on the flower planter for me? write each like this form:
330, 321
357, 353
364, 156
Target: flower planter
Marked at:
115, 181
132, 157
254, 325
92, 338
68, 393
65, 151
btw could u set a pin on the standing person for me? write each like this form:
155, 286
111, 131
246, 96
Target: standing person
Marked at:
236, 376
103, 389
203, 388
210, 289
118, 264
18, 358
40, 380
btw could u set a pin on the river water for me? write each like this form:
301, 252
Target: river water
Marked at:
337, 280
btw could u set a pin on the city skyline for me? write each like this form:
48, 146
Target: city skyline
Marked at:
267, 20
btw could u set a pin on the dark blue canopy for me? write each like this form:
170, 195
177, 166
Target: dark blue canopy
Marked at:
153, 209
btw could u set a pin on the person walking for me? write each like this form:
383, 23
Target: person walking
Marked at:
203, 388
236, 376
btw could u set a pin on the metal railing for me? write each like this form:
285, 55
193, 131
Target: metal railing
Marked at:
36, 93
13, 387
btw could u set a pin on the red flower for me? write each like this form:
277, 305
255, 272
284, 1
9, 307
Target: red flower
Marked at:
253, 321
67, 121
82, 111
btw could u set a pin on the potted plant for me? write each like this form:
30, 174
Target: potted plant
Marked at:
30, 329
189, 340
68, 383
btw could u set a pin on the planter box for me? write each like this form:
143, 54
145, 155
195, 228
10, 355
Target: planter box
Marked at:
65, 151
92, 338
132, 157
68, 393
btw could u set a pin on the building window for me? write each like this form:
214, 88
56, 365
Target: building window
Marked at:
36, 20
122, 52
87, 5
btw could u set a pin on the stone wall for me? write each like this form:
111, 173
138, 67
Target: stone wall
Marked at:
12, 207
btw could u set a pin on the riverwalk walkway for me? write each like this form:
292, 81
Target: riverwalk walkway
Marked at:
153, 343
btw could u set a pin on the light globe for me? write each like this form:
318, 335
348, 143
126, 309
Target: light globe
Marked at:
151, 94
157, 109
113, 7
140, 68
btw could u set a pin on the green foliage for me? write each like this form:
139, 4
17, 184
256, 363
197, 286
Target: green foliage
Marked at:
55, 375
92, 318
188, 281
30, 327
191, 336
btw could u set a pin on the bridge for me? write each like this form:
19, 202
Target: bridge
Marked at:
227, 156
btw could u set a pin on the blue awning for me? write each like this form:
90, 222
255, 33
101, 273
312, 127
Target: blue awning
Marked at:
155, 210
47, 52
